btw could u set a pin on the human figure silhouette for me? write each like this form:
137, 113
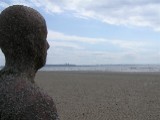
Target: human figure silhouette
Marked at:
23, 41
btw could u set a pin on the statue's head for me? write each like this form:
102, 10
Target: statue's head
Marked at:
23, 35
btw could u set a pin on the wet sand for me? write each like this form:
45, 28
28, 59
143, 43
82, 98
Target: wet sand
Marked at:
103, 96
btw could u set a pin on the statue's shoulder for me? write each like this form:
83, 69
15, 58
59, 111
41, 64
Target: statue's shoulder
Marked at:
38, 104
26, 100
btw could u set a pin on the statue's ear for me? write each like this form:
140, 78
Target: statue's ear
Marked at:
30, 43
30, 39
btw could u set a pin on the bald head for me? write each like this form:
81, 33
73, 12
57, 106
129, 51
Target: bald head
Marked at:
23, 34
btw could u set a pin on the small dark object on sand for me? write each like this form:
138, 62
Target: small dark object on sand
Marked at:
23, 41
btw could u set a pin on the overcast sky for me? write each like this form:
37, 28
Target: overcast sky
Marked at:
99, 31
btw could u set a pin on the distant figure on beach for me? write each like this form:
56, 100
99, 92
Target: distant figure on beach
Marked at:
23, 41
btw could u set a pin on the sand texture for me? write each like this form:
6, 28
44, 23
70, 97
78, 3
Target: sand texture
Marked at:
103, 96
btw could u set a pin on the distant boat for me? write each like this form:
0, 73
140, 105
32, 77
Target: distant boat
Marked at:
59, 65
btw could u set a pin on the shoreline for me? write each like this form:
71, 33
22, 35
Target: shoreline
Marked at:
100, 72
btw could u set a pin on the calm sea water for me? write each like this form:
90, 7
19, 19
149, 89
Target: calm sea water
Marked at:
103, 68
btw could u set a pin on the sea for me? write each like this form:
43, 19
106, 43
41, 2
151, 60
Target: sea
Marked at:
105, 68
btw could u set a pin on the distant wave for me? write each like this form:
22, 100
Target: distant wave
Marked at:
109, 68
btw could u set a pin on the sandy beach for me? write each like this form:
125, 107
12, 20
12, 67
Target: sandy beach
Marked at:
102, 95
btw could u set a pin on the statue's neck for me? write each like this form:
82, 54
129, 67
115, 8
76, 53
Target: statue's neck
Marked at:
27, 73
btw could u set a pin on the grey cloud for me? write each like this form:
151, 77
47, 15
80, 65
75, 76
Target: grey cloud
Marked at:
121, 12
143, 13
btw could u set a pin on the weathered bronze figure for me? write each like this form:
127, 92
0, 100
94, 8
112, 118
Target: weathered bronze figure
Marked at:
23, 41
